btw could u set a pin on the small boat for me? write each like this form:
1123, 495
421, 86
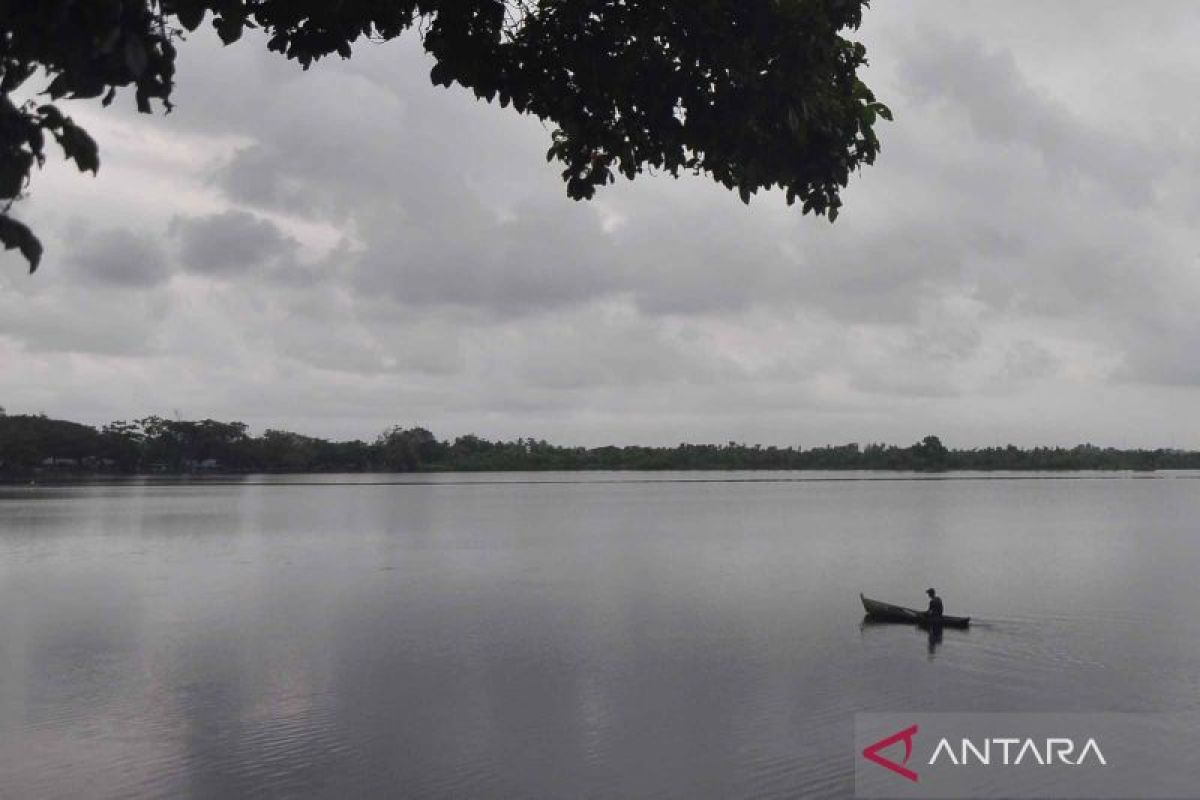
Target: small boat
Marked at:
886, 612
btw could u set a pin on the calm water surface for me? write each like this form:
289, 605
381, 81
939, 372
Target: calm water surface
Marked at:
557, 635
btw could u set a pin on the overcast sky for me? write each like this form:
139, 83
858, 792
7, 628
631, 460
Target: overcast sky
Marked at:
339, 250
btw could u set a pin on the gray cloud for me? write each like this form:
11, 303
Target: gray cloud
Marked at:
545, 258
58, 321
117, 258
989, 88
1026, 360
230, 242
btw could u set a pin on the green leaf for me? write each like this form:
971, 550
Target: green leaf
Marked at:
441, 75
135, 57
13, 234
36, 141
15, 75
13, 171
190, 13
59, 86
78, 146
87, 86
229, 29
51, 116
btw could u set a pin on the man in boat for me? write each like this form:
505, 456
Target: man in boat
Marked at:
935, 603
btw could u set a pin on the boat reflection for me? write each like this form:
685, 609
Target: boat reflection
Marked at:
933, 634
935, 639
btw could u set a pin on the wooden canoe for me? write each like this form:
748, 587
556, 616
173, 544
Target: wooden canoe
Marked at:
886, 612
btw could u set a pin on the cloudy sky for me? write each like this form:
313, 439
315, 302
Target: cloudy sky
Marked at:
340, 250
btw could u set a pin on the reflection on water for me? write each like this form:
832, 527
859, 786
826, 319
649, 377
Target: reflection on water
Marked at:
606, 638
935, 639
932, 634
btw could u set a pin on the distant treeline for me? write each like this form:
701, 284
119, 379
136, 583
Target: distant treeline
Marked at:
31, 444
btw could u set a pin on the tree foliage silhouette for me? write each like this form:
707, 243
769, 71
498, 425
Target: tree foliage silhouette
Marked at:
33, 443
755, 93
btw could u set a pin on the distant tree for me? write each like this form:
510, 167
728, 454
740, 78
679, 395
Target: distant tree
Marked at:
754, 93
27, 440
173, 444
406, 450
30, 442
122, 442
284, 451
930, 454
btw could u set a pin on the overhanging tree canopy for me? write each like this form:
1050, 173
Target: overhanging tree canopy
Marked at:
755, 93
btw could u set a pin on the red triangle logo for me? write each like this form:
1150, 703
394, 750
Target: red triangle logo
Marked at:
871, 753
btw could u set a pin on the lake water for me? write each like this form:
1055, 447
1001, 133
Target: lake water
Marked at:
686, 635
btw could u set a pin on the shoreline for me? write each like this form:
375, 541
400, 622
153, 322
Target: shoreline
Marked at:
746, 475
